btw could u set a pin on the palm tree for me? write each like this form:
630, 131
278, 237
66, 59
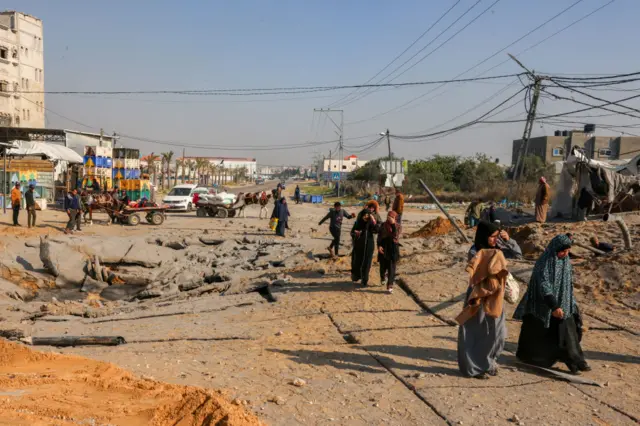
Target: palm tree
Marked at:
242, 174
151, 167
179, 163
166, 161
201, 164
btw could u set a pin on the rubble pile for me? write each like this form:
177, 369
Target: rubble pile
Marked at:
109, 394
435, 227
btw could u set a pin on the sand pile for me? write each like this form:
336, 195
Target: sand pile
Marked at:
43, 389
435, 227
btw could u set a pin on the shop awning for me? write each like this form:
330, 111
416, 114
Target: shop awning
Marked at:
53, 152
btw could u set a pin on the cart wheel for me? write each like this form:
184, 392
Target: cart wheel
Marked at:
232, 213
201, 212
157, 218
222, 213
133, 219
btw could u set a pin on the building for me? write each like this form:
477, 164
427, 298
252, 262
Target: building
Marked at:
553, 149
209, 170
349, 164
21, 70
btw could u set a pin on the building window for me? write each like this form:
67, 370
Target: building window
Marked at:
4, 53
28, 114
558, 152
24, 114
4, 86
22, 83
26, 52
604, 152
14, 53
16, 87
27, 81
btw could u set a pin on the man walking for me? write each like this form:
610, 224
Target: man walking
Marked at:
29, 198
542, 201
16, 200
335, 216
72, 207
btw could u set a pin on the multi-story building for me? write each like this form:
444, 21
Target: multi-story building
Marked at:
21, 70
349, 164
552, 149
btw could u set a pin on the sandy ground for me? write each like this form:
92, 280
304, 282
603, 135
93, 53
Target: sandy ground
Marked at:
321, 350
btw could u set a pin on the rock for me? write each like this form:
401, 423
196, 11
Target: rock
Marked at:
226, 248
298, 382
321, 271
176, 244
279, 333
514, 419
93, 286
277, 400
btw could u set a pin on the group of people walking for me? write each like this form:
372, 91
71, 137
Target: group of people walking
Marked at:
370, 235
551, 322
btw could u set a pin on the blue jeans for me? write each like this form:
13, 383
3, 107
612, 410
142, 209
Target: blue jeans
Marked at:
473, 222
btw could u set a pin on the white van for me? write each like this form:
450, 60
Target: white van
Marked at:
180, 198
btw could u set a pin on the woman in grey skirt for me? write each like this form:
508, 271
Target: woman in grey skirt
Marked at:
482, 330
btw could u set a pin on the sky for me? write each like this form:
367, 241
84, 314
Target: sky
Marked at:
168, 45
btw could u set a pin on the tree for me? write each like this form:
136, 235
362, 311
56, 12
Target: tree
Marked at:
179, 163
534, 167
166, 161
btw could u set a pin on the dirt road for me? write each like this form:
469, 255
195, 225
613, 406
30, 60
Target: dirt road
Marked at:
315, 348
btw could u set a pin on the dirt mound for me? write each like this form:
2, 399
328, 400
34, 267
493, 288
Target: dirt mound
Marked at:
43, 389
435, 227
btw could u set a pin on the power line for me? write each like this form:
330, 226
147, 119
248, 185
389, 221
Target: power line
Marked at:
429, 44
498, 52
267, 91
400, 55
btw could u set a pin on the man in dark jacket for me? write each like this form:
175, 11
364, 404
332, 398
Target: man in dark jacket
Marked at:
335, 216
29, 198
72, 207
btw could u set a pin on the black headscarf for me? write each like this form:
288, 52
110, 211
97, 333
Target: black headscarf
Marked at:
484, 231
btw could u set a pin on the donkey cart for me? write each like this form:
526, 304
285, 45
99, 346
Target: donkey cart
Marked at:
133, 215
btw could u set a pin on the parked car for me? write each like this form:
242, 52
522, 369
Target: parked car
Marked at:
259, 181
180, 198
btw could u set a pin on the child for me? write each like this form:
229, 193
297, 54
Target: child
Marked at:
388, 250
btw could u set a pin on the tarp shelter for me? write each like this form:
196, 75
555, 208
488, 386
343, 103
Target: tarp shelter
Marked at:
601, 185
38, 163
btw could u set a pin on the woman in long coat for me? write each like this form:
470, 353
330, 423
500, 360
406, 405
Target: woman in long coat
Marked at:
281, 212
551, 324
483, 330
388, 250
362, 233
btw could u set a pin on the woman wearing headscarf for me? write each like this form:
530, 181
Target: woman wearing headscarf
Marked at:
362, 233
551, 325
388, 250
281, 212
482, 330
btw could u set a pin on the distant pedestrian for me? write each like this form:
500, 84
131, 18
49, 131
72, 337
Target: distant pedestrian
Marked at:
29, 198
388, 250
263, 201
542, 200
602, 246
281, 212
474, 212
72, 207
296, 195
387, 201
362, 233
16, 200
335, 216
398, 207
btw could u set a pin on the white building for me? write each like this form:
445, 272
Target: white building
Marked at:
349, 164
21, 70
218, 169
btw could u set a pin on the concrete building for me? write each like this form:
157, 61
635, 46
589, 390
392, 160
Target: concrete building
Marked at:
21, 70
219, 170
349, 164
552, 149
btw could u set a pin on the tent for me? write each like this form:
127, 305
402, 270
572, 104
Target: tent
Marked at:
604, 185
53, 152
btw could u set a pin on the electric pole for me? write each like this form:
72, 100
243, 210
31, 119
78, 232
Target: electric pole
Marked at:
531, 117
389, 143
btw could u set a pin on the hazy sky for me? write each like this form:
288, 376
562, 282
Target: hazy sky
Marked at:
155, 44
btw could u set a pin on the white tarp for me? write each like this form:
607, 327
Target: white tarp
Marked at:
51, 151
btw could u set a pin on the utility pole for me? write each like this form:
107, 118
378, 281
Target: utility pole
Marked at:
389, 143
329, 174
528, 127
